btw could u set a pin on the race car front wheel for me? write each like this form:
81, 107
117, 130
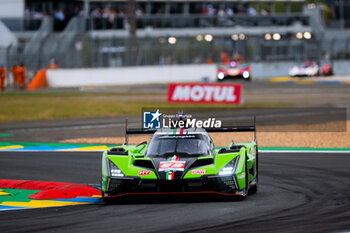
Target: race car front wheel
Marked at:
105, 199
254, 188
246, 189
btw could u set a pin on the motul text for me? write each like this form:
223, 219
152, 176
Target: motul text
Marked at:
204, 93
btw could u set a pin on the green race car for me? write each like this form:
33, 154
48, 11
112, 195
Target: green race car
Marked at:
180, 161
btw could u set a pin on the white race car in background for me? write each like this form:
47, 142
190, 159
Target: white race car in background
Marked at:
308, 69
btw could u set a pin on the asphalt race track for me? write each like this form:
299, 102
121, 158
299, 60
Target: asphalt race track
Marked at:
299, 192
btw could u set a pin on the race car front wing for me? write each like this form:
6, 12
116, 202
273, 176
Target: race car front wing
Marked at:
136, 185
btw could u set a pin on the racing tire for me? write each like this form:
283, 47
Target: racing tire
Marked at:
246, 189
330, 72
107, 200
104, 199
254, 189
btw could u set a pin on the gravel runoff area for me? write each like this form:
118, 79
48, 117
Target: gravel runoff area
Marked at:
298, 138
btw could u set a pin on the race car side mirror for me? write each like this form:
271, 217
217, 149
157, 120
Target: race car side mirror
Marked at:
142, 143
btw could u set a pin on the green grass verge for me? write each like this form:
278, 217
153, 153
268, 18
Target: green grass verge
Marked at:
17, 195
28, 106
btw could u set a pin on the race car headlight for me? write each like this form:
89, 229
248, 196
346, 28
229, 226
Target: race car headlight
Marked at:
229, 169
226, 171
221, 75
114, 170
246, 74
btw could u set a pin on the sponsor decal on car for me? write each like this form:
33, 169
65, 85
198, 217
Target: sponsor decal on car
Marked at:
242, 175
144, 173
204, 93
198, 172
233, 72
172, 166
170, 175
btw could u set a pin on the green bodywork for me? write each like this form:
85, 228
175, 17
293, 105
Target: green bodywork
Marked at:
125, 163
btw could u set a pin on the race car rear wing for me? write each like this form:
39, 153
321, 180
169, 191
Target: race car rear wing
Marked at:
225, 129
231, 129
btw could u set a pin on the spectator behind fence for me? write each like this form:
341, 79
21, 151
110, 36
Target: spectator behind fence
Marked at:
225, 58
229, 12
60, 18
211, 10
2, 77
139, 12
221, 12
27, 13
33, 17
78, 12
22, 75
59, 15
239, 58
107, 16
251, 11
204, 10
265, 12
96, 13
14, 71
52, 64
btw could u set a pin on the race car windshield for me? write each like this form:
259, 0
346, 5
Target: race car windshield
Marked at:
241, 66
308, 64
181, 145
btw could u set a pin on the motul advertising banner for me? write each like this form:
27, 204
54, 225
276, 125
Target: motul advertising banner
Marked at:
205, 93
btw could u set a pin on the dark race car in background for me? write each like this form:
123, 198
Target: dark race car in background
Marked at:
233, 70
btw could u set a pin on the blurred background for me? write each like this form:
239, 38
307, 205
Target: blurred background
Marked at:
115, 33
